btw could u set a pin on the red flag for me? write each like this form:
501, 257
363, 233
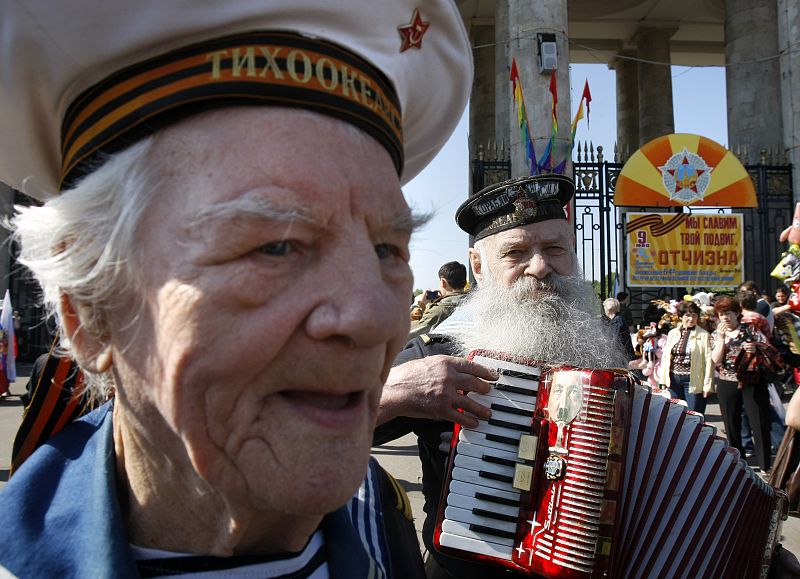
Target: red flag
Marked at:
587, 96
514, 73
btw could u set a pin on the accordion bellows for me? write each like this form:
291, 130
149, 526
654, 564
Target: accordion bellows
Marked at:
583, 473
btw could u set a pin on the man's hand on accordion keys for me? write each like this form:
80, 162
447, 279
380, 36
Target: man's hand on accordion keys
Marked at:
435, 387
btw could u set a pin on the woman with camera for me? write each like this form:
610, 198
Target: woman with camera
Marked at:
730, 338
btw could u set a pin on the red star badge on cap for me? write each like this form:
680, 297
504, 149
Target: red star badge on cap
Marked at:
412, 33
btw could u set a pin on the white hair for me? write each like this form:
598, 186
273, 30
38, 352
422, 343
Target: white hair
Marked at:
82, 242
611, 305
554, 320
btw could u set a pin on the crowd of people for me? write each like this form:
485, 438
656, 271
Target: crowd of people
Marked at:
725, 345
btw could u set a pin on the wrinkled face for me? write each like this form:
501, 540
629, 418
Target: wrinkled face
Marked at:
535, 250
275, 264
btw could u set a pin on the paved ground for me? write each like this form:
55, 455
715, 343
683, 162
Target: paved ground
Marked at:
399, 457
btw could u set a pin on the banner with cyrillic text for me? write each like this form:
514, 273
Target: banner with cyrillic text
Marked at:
684, 250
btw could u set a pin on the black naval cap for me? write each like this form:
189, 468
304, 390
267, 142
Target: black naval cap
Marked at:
515, 202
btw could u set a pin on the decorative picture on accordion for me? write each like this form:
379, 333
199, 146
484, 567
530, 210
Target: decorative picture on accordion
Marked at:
566, 400
642, 489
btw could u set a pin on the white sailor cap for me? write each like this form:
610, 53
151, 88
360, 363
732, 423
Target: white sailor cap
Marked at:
82, 79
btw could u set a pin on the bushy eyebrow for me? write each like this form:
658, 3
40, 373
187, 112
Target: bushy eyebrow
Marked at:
230, 211
412, 221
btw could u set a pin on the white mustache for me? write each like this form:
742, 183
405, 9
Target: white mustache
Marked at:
556, 320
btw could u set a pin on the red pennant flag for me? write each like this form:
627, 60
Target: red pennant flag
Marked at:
587, 96
514, 73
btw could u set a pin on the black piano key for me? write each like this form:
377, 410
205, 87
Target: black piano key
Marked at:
496, 476
511, 410
493, 515
518, 374
510, 425
491, 531
498, 500
502, 439
514, 389
498, 460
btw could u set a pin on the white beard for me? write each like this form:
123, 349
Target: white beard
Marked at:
555, 320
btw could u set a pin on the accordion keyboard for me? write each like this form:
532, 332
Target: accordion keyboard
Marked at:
493, 465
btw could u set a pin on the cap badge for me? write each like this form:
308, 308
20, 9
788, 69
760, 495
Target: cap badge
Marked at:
524, 209
413, 32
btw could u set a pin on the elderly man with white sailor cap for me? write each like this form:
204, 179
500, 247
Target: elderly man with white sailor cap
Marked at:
531, 301
218, 176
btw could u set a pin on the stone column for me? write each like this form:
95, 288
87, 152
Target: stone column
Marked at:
503, 95
524, 20
753, 82
655, 83
788, 35
481, 102
627, 72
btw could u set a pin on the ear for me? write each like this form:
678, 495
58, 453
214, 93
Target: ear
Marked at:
475, 264
92, 354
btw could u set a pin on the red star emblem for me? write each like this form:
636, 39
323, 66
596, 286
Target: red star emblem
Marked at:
687, 175
413, 32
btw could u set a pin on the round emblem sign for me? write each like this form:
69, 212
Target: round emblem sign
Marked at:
686, 176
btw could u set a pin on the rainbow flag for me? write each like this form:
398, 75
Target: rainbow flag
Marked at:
547, 159
522, 116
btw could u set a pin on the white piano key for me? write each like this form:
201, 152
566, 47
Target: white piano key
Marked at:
470, 503
472, 476
477, 464
524, 398
476, 546
506, 365
486, 428
472, 490
498, 397
480, 452
470, 518
479, 438
463, 530
527, 384
498, 414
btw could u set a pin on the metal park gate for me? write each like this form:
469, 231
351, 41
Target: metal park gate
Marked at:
599, 226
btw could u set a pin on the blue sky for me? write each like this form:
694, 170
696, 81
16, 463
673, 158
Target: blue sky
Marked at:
699, 104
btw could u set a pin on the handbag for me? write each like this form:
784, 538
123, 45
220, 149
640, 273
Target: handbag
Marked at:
753, 368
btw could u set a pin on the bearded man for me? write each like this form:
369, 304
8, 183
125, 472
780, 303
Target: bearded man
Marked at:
531, 301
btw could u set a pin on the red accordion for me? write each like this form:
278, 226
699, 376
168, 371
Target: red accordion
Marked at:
583, 473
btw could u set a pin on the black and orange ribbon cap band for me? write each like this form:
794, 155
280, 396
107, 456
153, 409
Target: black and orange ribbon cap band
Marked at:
256, 68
